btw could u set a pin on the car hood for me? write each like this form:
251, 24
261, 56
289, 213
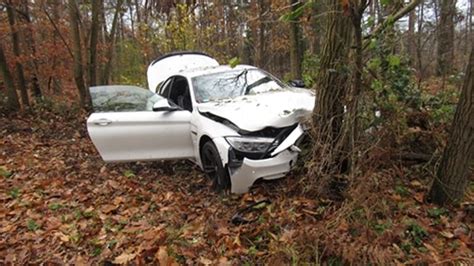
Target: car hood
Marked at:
269, 109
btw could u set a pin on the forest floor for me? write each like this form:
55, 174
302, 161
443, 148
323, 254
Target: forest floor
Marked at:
61, 204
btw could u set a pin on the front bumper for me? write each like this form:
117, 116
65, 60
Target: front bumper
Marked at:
251, 170
244, 172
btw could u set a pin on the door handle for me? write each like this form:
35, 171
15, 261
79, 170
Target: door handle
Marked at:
102, 122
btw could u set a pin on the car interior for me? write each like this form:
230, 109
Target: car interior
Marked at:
178, 91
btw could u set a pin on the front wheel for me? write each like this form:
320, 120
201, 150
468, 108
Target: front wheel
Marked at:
212, 165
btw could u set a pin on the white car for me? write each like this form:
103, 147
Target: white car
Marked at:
238, 124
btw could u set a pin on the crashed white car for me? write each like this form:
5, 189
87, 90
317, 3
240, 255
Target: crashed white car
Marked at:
238, 124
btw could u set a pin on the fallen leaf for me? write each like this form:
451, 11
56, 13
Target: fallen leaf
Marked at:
124, 258
62, 236
163, 258
419, 197
223, 261
446, 234
205, 261
108, 208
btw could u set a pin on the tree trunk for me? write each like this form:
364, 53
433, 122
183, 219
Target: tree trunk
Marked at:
351, 119
446, 37
95, 27
295, 46
458, 157
419, 45
31, 40
331, 86
411, 37
77, 52
17, 51
111, 41
260, 54
12, 97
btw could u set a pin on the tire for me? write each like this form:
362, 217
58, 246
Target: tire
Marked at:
212, 165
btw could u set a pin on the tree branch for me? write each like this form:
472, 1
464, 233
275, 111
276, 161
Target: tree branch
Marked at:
392, 19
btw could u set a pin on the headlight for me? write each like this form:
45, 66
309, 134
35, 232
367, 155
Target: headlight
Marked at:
252, 144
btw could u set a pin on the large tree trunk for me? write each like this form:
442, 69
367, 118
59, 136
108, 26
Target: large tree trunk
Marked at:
454, 171
446, 37
331, 86
295, 46
17, 51
95, 27
12, 97
77, 52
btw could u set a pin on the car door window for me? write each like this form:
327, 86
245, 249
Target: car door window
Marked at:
122, 99
179, 93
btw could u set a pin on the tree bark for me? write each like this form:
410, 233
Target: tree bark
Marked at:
260, 53
77, 52
458, 157
411, 36
295, 46
95, 27
446, 37
17, 51
351, 119
111, 40
331, 87
36, 89
12, 98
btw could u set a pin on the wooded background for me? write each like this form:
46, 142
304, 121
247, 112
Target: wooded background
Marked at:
50, 47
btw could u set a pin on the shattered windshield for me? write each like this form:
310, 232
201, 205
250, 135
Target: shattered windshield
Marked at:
230, 84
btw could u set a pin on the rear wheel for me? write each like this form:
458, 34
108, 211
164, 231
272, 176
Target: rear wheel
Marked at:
212, 164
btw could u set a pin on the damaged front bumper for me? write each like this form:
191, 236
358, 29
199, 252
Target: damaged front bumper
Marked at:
245, 171
251, 170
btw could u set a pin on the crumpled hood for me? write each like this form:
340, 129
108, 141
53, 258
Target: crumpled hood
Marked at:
269, 109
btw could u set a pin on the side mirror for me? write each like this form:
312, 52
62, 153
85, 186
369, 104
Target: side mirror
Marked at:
165, 106
298, 83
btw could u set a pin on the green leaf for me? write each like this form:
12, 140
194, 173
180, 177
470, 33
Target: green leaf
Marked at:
129, 173
385, 2
234, 62
393, 60
373, 44
32, 225
55, 206
4, 172
14, 193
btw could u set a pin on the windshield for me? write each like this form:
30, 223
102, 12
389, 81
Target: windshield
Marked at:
230, 84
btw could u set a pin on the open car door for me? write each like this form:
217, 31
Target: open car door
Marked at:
124, 126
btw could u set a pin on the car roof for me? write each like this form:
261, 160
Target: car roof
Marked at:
194, 72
